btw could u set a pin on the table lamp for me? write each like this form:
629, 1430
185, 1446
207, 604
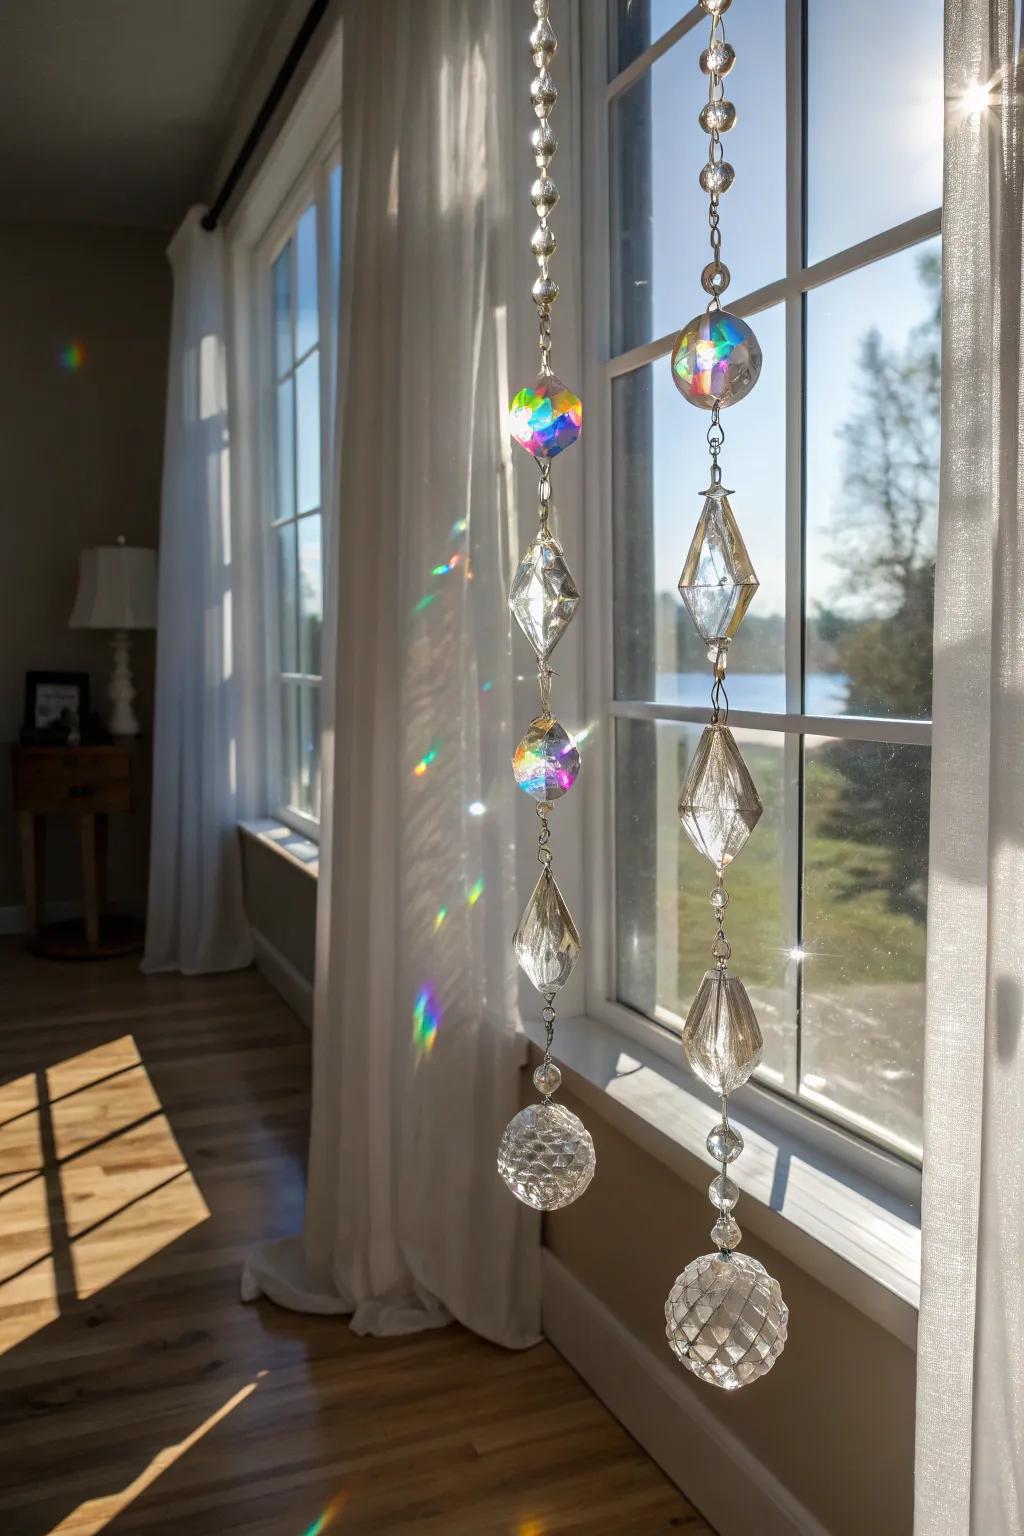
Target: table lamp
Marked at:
117, 590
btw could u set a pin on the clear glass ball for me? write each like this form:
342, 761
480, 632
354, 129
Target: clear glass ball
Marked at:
724, 1143
725, 1320
546, 1156
716, 358
547, 1079
718, 59
716, 7
726, 1234
723, 1193
717, 177
717, 116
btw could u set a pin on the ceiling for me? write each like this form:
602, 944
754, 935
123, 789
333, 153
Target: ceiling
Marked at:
116, 111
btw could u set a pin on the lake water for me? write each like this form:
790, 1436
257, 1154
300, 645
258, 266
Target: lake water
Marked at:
763, 692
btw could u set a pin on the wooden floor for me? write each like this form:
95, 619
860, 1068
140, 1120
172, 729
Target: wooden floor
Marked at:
151, 1130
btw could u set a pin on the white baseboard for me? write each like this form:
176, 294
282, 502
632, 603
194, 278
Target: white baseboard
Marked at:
284, 978
733, 1490
15, 919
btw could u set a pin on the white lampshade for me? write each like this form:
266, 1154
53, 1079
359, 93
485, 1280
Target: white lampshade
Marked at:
116, 588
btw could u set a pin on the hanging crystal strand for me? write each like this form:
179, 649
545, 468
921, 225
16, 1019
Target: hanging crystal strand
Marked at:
546, 1156
725, 1316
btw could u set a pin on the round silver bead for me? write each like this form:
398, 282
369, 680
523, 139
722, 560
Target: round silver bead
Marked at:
547, 1079
543, 43
545, 292
717, 176
543, 194
718, 59
716, 7
544, 144
542, 241
715, 279
717, 116
723, 1193
543, 94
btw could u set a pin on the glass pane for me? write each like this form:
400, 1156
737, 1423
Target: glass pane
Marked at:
634, 25
290, 787
874, 118
334, 194
659, 215
659, 466
309, 760
284, 505
307, 419
282, 281
872, 487
287, 586
664, 921
865, 894
307, 322
311, 593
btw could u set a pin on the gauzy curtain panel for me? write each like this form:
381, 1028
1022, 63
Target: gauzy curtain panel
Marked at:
196, 920
970, 1438
416, 1059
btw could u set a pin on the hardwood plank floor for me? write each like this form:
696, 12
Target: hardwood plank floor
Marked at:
151, 1130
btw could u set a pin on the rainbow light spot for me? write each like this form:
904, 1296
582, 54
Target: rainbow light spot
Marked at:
486, 687
321, 1523
72, 357
546, 417
426, 1016
442, 913
475, 892
425, 602
459, 527
425, 762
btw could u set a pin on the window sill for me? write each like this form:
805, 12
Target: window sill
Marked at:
291, 845
837, 1225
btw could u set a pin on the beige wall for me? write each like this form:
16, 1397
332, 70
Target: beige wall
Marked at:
280, 903
835, 1419
80, 463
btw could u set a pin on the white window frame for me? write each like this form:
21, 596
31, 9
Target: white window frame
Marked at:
792, 1121
296, 170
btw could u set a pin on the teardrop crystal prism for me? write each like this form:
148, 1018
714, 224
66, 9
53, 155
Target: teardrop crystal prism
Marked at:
546, 943
718, 804
718, 581
543, 596
721, 1036
546, 762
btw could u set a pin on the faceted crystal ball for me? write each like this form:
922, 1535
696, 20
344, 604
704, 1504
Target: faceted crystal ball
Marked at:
719, 805
546, 417
546, 762
546, 1156
721, 1037
543, 596
716, 359
725, 1319
546, 943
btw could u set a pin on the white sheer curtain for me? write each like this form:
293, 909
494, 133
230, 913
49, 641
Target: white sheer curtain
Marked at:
416, 1059
195, 919
970, 1436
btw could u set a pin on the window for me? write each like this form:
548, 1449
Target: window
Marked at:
301, 267
832, 238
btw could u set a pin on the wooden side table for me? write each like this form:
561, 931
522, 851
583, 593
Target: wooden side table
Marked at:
89, 783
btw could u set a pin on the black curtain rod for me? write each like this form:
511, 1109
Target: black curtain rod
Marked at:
270, 104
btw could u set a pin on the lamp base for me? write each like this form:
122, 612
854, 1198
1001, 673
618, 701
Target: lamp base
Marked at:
122, 720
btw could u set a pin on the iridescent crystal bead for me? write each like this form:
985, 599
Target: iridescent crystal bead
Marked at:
547, 1079
543, 596
726, 1234
723, 1193
546, 943
717, 177
724, 1143
718, 580
721, 1037
546, 417
717, 116
546, 761
546, 1156
716, 359
725, 1319
718, 59
718, 804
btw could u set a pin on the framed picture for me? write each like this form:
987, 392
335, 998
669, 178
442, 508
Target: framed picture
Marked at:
56, 707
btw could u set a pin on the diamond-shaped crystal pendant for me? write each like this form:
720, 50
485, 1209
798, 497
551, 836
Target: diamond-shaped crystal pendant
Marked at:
546, 762
543, 596
718, 581
546, 943
725, 1319
718, 804
721, 1037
